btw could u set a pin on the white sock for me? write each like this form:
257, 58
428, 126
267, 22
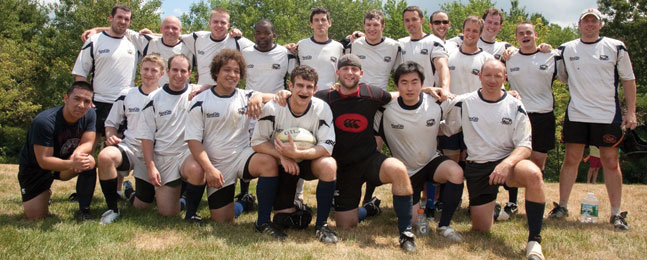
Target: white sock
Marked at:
563, 204
615, 211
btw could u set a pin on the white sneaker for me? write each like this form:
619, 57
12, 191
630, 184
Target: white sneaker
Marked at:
450, 233
533, 251
108, 217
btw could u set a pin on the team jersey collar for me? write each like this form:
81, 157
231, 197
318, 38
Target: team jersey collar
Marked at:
425, 36
505, 94
481, 38
304, 112
594, 42
213, 90
322, 43
470, 54
106, 34
173, 92
273, 47
223, 39
378, 43
407, 107
354, 94
528, 54
171, 46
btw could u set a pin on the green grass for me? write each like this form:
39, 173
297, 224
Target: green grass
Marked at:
145, 235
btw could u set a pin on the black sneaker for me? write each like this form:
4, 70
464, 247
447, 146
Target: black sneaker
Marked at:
83, 215
248, 201
270, 229
194, 219
620, 221
511, 208
558, 211
373, 207
326, 234
128, 190
239, 196
407, 241
299, 205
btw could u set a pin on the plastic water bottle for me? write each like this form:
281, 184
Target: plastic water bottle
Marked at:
589, 209
423, 226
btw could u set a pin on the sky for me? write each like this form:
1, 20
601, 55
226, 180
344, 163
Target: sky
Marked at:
562, 12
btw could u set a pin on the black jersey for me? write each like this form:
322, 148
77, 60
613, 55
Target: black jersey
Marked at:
353, 117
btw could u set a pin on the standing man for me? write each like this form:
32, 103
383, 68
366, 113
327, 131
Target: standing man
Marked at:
58, 147
424, 49
311, 114
592, 67
531, 73
354, 106
440, 24
410, 125
319, 51
122, 155
496, 130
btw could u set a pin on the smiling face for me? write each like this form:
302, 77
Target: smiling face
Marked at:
373, 29
219, 25
492, 76
178, 73
349, 76
264, 36
440, 24
590, 27
413, 22
492, 26
526, 36
228, 76
302, 91
471, 33
171, 29
120, 21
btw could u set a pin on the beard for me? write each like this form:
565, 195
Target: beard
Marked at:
349, 86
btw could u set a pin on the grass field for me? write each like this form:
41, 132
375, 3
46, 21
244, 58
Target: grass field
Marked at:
145, 235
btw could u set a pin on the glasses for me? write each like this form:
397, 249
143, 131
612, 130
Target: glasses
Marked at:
438, 22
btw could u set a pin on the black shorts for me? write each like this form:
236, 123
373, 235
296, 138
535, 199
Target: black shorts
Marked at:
33, 181
425, 174
222, 197
145, 192
102, 109
477, 176
601, 135
125, 163
454, 142
543, 131
288, 184
351, 177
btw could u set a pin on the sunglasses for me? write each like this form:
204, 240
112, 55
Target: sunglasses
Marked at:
438, 22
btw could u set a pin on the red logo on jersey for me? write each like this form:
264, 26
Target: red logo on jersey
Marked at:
353, 123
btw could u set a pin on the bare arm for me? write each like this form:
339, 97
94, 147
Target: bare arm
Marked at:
443, 72
111, 136
629, 120
152, 172
87, 33
502, 170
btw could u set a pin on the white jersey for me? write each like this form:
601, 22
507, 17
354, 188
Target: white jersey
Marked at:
205, 48
411, 131
266, 70
491, 130
464, 70
127, 109
149, 44
592, 71
322, 56
219, 123
495, 48
317, 119
532, 76
113, 63
423, 51
377, 60
164, 120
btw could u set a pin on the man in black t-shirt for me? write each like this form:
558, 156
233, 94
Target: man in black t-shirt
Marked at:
58, 146
354, 106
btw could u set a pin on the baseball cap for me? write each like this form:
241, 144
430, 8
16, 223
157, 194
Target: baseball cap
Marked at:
349, 60
591, 11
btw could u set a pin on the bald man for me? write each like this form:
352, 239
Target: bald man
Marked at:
496, 131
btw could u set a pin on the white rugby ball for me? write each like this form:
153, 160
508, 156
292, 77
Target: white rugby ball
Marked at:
301, 137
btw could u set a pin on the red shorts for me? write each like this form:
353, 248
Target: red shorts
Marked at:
594, 162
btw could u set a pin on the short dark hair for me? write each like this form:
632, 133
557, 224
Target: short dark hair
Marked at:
79, 85
305, 72
265, 21
493, 11
319, 10
408, 67
374, 14
413, 8
179, 56
431, 17
474, 19
522, 23
122, 7
225, 56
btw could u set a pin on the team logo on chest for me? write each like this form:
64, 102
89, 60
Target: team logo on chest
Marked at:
387, 59
404, 52
473, 119
604, 57
574, 58
362, 57
397, 126
133, 109
333, 58
250, 66
506, 121
515, 69
543, 67
276, 66
307, 57
424, 51
354, 123
212, 115
104, 51
165, 113
431, 122
201, 52
475, 72
451, 67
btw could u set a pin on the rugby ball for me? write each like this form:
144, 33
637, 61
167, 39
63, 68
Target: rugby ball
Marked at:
301, 137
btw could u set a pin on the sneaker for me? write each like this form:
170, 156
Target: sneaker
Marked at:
270, 229
73, 197
619, 221
248, 201
373, 207
511, 208
326, 234
194, 219
109, 216
299, 205
83, 215
533, 251
128, 189
450, 233
239, 196
499, 213
182, 203
558, 211
407, 241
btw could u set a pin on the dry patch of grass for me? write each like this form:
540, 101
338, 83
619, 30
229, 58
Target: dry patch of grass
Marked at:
144, 234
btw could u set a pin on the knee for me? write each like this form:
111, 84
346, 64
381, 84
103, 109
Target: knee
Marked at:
168, 211
456, 175
534, 179
194, 174
106, 158
396, 171
267, 163
326, 169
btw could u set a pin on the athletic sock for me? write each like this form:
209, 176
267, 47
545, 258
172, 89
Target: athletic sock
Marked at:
615, 211
362, 213
238, 209
325, 193
368, 194
452, 195
535, 215
512, 193
462, 164
85, 184
244, 187
109, 188
402, 208
183, 189
431, 195
193, 197
563, 204
441, 192
266, 190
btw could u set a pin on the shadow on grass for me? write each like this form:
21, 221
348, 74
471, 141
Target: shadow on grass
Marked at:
18, 221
